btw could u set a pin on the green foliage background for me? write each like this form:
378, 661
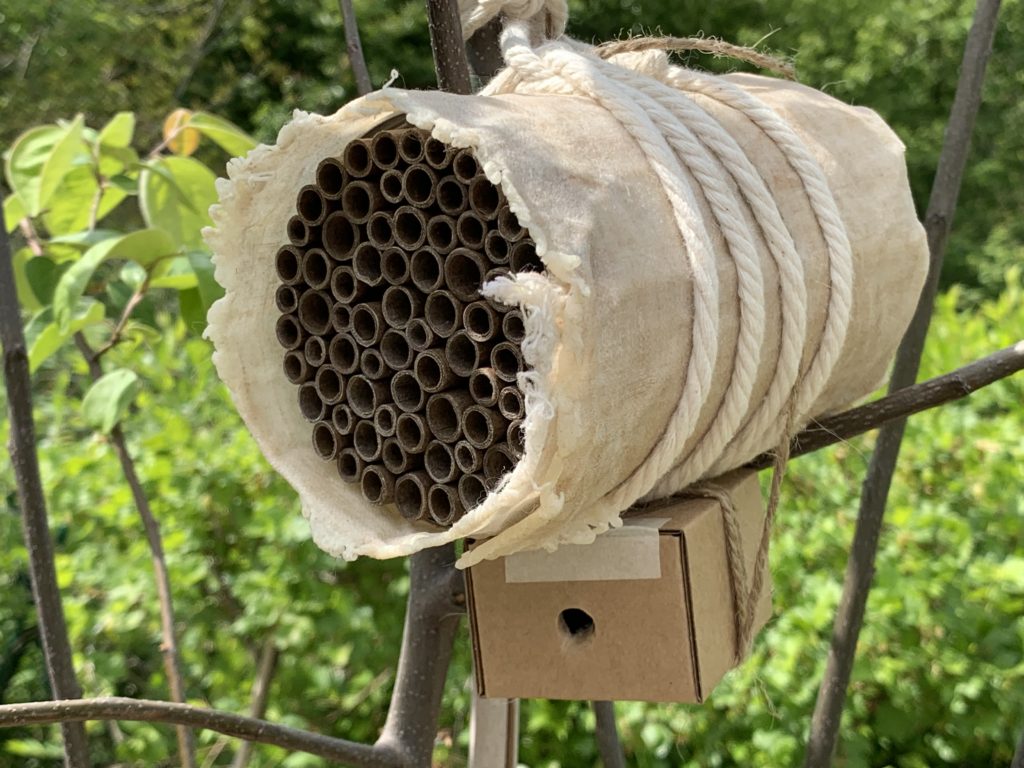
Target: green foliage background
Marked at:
940, 674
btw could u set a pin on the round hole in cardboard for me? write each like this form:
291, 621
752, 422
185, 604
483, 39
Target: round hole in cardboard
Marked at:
576, 624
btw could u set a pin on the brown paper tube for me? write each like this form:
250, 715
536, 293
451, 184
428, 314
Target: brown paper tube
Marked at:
345, 286
367, 322
516, 437
377, 485
444, 504
483, 426
418, 334
420, 185
394, 266
411, 431
395, 458
465, 166
316, 268
407, 392
290, 334
410, 145
315, 350
439, 461
471, 231
325, 441
315, 311
496, 247
366, 264
384, 150
384, 419
451, 196
444, 414
484, 387
508, 224
343, 352
498, 462
331, 177
366, 395
288, 263
513, 327
357, 158
341, 317
311, 206
443, 313
395, 349
400, 305
299, 232
310, 404
381, 230
468, 458
296, 369
472, 490
484, 198
464, 272
480, 321
366, 441
410, 227
340, 235
437, 154
464, 355
506, 360
372, 364
330, 385
510, 403
523, 257
426, 268
360, 200
441, 233
432, 371
411, 495
286, 298
391, 187
343, 419
350, 466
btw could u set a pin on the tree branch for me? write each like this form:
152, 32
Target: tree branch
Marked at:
35, 526
484, 50
354, 47
607, 734
1018, 757
260, 696
825, 722
448, 47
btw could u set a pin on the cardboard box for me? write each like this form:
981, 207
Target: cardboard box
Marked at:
644, 613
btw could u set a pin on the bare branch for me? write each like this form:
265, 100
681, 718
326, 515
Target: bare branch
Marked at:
354, 47
484, 50
239, 726
448, 47
825, 722
607, 735
201, 50
260, 695
35, 526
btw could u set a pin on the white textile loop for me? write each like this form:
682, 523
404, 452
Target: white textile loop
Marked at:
552, 14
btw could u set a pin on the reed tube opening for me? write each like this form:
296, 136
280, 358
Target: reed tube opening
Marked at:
411, 495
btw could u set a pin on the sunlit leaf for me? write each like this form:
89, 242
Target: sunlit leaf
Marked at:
71, 206
108, 399
180, 139
228, 136
118, 131
175, 194
14, 211
38, 161
44, 337
176, 274
26, 296
42, 275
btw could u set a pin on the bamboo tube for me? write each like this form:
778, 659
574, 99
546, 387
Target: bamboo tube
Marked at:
367, 322
437, 154
296, 369
432, 371
441, 233
439, 461
426, 268
464, 272
377, 485
498, 462
344, 285
407, 392
299, 232
288, 264
472, 490
391, 187
343, 419
410, 145
366, 395
395, 349
444, 505
480, 321
343, 352
381, 230
482, 427
497, 248
341, 317
468, 458
443, 313
366, 441
350, 465
384, 420
286, 299
523, 257
331, 178
366, 265
290, 333
464, 355
484, 198
516, 437
411, 495
506, 360
316, 268
494, 274
372, 364
315, 350
410, 227
325, 441
512, 326
394, 266
314, 311
471, 230
451, 196
357, 158
510, 403
330, 385
360, 200
444, 412
400, 305
340, 235
384, 150
419, 183
508, 225
311, 206
419, 334
484, 387
310, 404
395, 458
465, 166
412, 433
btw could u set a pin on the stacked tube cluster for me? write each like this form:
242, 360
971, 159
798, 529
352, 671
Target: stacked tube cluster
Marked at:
407, 374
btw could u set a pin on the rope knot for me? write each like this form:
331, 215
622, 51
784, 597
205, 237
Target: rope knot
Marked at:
547, 18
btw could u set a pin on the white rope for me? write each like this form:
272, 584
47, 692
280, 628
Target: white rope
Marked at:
552, 14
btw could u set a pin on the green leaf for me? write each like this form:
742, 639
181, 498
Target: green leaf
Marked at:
14, 211
38, 161
193, 312
70, 207
26, 296
176, 274
42, 275
230, 137
108, 399
85, 238
175, 194
209, 289
119, 130
44, 337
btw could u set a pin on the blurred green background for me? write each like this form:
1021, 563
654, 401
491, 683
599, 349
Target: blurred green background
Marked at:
940, 673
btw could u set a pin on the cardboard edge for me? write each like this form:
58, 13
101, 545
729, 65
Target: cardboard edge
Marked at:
684, 556
474, 633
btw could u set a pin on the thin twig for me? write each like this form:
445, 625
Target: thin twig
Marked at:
825, 722
607, 734
239, 726
201, 49
260, 696
354, 47
35, 526
446, 43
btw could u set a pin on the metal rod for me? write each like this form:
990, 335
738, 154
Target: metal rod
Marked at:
411, 495
464, 272
343, 352
464, 354
407, 392
433, 371
444, 504
395, 349
483, 426
426, 267
484, 387
350, 465
412, 433
340, 236
444, 413
377, 484
366, 395
439, 461
366, 441
471, 230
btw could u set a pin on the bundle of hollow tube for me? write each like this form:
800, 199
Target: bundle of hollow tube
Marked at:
513, 316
